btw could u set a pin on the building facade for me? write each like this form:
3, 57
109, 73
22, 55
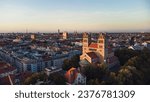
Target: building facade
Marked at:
65, 35
98, 52
74, 77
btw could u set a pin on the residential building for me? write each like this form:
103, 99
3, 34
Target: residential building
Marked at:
74, 77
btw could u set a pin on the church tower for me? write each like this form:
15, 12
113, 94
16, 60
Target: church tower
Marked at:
86, 41
102, 47
97, 52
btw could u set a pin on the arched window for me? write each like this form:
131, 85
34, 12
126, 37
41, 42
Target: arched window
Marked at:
100, 41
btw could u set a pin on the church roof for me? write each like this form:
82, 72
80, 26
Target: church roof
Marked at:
92, 55
84, 62
93, 45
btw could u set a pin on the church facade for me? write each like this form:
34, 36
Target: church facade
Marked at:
97, 52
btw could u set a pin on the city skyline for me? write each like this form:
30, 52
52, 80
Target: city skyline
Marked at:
75, 15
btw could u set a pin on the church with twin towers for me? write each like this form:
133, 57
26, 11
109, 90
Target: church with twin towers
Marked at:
98, 52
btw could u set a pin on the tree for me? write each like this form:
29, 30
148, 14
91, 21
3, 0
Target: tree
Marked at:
125, 54
73, 62
129, 75
94, 82
142, 63
35, 77
58, 79
95, 74
66, 65
111, 79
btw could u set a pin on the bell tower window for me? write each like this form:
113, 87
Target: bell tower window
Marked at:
100, 41
84, 40
100, 46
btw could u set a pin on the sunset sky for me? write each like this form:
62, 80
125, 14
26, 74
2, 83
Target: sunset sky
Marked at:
74, 15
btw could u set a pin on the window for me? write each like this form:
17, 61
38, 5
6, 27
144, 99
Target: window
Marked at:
100, 41
79, 79
52, 63
84, 40
46, 64
29, 67
100, 46
92, 49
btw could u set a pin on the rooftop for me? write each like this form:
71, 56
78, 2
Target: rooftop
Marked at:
5, 67
93, 45
71, 75
92, 55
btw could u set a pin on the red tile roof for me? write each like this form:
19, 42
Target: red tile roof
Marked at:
71, 75
93, 45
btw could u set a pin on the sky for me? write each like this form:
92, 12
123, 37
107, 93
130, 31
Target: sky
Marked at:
75, 15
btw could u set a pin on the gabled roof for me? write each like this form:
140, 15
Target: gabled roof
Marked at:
92, 55
71, 75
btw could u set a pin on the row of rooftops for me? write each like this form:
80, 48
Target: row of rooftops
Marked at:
32, 55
